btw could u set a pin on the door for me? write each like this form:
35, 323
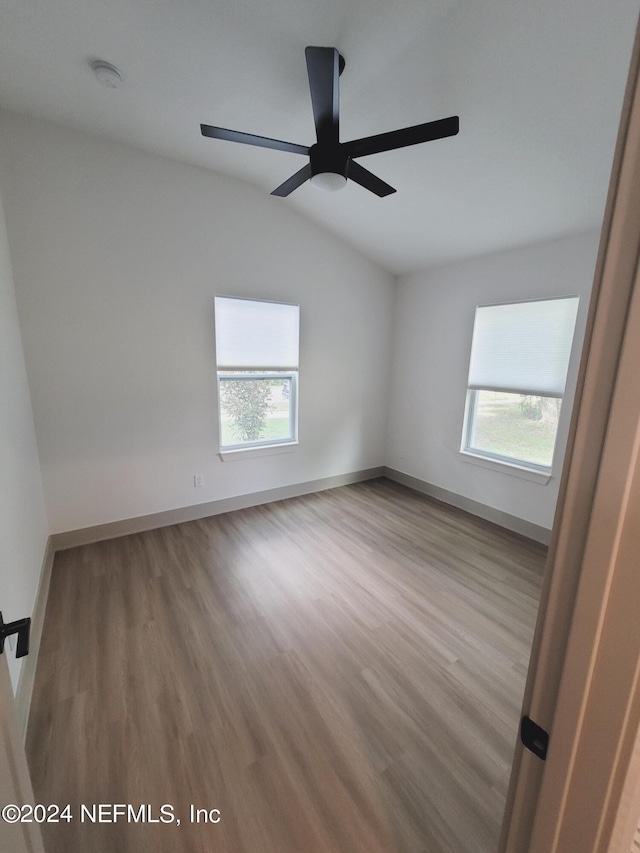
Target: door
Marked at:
583, 678
15, 784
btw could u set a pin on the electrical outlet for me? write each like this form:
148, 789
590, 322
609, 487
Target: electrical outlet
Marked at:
198, 481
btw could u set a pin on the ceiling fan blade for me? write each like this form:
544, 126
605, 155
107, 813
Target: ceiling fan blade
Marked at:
252, 139
293, 182
368, 180
324, 76
401, 138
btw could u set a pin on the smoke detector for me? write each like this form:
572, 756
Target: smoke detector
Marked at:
106, 73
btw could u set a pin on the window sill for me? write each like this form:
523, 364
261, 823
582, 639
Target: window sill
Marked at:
511, 468
252, 452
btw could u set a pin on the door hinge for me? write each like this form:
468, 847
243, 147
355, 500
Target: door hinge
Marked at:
534, 737
22, 628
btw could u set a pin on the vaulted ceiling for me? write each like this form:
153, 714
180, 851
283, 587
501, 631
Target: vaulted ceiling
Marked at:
538, 88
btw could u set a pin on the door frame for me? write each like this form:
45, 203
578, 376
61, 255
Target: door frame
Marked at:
582, 685
15, 782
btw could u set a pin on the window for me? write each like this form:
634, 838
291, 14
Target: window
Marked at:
257, 361
519, 359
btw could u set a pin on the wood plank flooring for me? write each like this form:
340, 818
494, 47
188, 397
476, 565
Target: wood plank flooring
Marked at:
337, 672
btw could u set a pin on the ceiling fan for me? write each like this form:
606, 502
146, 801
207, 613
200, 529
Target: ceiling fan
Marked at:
331, 162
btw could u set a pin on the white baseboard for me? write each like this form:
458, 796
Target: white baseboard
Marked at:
113, 529
24, 691
503, 519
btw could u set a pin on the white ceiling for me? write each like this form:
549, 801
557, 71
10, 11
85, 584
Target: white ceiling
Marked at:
537, 85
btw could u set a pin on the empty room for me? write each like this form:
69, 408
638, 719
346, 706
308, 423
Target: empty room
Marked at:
294, 301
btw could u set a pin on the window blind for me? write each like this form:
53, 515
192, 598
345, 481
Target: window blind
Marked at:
523, 347
256, 335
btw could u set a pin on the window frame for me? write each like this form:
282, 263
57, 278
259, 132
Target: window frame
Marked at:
276, 369
261, 444
496, 461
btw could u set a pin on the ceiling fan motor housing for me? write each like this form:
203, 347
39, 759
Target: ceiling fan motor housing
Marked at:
328, 158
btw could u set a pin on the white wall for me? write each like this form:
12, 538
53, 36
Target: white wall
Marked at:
434, 315
23, 524
117, 255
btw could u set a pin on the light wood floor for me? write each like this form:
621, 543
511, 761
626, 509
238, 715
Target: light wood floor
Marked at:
337, 672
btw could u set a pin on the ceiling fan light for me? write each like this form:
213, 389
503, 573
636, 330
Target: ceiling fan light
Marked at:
329, 182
